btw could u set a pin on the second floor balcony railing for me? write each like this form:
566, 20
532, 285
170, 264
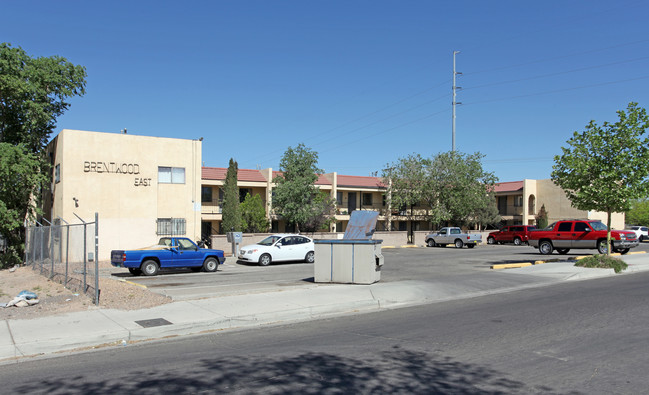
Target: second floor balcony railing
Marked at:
511, 210
212, 207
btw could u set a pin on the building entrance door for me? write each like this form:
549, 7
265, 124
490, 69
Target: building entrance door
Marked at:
351, 202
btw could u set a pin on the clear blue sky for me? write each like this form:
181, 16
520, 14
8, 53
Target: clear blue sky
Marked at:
360, 82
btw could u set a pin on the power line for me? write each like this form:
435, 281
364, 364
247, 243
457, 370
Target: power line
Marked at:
557, 73
556, 57
328, 131
387, 130
558, 90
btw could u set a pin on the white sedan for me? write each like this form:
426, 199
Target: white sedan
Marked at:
278, 248
642, 232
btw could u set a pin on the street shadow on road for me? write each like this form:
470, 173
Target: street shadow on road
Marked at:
395, 370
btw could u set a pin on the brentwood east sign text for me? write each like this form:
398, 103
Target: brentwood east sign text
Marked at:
117, 168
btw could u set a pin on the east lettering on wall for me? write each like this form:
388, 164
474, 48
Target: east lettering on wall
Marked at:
117, 168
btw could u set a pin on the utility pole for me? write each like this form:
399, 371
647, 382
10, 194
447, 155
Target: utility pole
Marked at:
455, 89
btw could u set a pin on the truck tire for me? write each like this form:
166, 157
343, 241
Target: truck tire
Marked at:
563, 251
150, 267
602, 248
459, 243
135, 271
430, 243
517, 241
491, 240
623, 250
546, 247
210, 265
470, 245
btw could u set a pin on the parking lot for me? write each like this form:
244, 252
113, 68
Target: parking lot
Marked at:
401, 264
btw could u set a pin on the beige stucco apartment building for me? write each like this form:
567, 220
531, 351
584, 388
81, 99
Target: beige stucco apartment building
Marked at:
519, 203
146, 187
140, 186
350, 192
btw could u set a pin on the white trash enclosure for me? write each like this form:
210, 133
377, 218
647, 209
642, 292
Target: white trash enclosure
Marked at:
356, 258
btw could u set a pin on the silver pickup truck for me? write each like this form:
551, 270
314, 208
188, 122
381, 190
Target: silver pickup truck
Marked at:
453, 236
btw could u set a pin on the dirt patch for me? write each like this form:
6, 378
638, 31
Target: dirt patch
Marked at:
54, 298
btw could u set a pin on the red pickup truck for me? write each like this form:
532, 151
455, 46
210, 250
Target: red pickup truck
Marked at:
511, 234
564, 235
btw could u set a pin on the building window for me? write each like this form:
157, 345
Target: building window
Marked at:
57, 173
171, 175
367, 199
518, 201
171, 226
243, 192
206, 194
502, 205
531, 205
339, 198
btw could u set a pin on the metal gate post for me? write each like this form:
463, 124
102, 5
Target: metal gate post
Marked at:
41, 233
67, 250
97, 259
85, 253
85, 257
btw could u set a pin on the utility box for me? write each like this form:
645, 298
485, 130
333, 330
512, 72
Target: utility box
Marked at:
356, 258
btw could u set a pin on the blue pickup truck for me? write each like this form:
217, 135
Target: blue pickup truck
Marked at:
170, 252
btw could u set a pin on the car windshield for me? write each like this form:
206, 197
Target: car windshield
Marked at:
550, 227
598, 226
269, 241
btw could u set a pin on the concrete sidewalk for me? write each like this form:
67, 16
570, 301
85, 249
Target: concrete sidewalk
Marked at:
107, 327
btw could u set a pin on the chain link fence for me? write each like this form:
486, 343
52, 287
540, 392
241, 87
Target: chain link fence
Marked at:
66, 253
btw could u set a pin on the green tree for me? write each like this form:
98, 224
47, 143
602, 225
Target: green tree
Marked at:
409, 185
605, 168
296, 196
486, 215
542, 218
451, 186
19, 173
639, 213
466, 189
33, 94
231, 200
322, 213
253, 214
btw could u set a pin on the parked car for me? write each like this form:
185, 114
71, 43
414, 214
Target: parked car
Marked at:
451, 235
517, 234
279, 248
564, 235
642, 232
170, 252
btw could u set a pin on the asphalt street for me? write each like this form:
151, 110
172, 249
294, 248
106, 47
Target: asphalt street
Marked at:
586, 337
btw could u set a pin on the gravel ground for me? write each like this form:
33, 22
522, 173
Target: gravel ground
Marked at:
54, 298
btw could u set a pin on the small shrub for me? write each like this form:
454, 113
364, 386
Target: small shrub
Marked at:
603, 262
10, 258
